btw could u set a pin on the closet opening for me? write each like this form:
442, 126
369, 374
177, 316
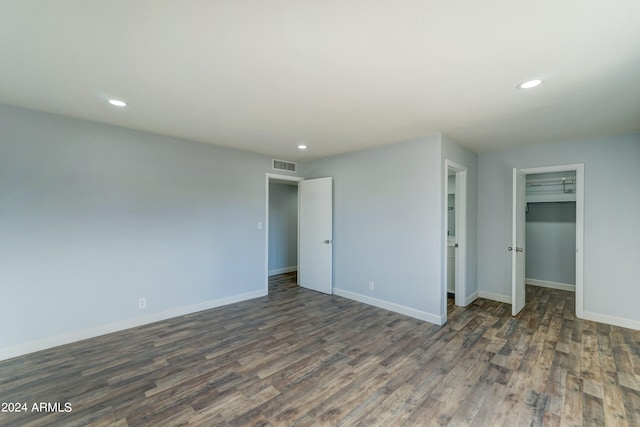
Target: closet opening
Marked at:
548, 226
550, 258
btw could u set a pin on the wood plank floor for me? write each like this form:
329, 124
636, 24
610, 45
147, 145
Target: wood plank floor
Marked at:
302, 358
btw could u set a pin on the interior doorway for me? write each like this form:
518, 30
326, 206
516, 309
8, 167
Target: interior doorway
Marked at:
564, 183
451, 234
314, 240
281, 225
455, 242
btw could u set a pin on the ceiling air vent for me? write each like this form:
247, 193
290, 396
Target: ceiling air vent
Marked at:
282, 165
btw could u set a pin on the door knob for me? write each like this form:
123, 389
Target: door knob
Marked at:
519, 249
509, 248
327, 241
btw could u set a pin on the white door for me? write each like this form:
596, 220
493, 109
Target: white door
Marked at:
518, 242
315, 225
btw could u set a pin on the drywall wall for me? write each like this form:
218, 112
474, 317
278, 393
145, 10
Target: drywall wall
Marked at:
551, 242
283, 228
388, 225
611, 206
93, 217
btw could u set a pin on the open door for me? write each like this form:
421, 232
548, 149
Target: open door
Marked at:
518, 242
315, 225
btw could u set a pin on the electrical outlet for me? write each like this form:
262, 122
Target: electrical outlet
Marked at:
142, 303
372, 286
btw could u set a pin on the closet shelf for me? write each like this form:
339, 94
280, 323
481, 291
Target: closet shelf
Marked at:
551, 189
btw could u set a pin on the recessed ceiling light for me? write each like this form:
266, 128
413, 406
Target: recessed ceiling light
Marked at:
117, 103
530, 84
302, 147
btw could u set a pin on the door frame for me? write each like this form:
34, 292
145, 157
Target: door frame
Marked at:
268, 178
579, 169
461, 235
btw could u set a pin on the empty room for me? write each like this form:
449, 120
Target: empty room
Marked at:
319, 214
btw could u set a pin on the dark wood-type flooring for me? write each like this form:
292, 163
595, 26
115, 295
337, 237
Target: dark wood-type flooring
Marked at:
302, 358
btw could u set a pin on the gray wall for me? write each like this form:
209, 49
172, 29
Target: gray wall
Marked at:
612, 203
551, 242
93, 216
389, 207
283, 226
387, 222
464, 157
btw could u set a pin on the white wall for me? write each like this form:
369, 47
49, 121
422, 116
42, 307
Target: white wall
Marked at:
611, 206
93, 216
283, 227
388, 225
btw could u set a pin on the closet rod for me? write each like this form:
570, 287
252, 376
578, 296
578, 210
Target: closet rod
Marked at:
551, 181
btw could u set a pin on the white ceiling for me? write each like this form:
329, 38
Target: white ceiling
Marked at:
339, 75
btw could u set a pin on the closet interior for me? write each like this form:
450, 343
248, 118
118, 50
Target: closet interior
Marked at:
551, 230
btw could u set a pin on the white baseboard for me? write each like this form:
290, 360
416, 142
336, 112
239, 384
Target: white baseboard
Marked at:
283, 270
397, 308
611, 320
495, 297
30, 347
552, 285
471, 298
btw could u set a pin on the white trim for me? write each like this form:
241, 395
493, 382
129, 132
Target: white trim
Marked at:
30, 347
495, 297
396, 308
283, 177
551, 285
269, 176
612, 320
579, 168
283, 270
471, 298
